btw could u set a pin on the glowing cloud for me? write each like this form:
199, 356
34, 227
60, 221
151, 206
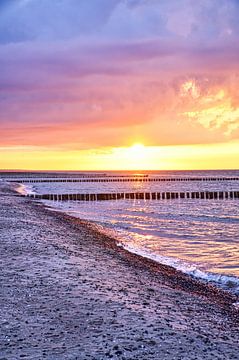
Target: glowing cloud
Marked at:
79, 75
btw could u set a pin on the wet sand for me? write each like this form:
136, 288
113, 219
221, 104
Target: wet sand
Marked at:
68, 292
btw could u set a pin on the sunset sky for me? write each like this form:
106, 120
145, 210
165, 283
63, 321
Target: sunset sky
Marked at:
83, 81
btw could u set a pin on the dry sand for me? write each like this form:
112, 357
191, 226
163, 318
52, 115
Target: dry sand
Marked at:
68, 292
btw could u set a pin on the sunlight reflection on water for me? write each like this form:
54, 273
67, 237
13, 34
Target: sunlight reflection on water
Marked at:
198, 234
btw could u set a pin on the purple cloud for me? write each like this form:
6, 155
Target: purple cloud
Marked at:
119, 66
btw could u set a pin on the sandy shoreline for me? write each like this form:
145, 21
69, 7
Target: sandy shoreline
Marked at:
69, 292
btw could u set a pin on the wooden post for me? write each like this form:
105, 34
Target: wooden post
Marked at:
220, 195
153, 196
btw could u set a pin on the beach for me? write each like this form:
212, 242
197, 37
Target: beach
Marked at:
69, 292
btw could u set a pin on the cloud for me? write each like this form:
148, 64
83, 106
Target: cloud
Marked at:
45, 20
52, 20
214, 107
100, 72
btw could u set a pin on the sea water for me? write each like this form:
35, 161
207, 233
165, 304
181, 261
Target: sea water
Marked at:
197, 236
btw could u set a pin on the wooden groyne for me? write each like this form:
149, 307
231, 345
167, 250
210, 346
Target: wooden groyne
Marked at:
207, 195
77, 177
122, 179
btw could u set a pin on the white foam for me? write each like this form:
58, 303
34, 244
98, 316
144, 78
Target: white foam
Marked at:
224, 281
25, 189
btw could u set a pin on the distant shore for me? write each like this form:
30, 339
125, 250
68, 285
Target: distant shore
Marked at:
69, 292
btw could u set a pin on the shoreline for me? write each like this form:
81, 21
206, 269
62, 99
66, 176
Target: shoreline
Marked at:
223, 281
171, 275
70, 292
175, 277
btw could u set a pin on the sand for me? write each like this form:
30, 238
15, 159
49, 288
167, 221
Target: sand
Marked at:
68, 292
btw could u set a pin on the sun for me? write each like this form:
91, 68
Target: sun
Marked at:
137, 149
134, 157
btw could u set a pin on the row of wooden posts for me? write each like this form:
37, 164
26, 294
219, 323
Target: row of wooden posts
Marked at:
96, 176
139, 196
137, 179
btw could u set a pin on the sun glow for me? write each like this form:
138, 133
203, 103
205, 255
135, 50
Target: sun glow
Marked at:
137, 150
135, 157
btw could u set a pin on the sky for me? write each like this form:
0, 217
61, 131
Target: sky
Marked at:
83, 81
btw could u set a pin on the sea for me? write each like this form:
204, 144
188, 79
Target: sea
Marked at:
199, 237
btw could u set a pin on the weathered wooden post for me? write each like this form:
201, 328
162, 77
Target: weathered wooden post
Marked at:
153, 196
220, 195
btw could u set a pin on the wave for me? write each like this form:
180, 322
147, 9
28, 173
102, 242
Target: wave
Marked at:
25, 189
226, 282
209, 218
